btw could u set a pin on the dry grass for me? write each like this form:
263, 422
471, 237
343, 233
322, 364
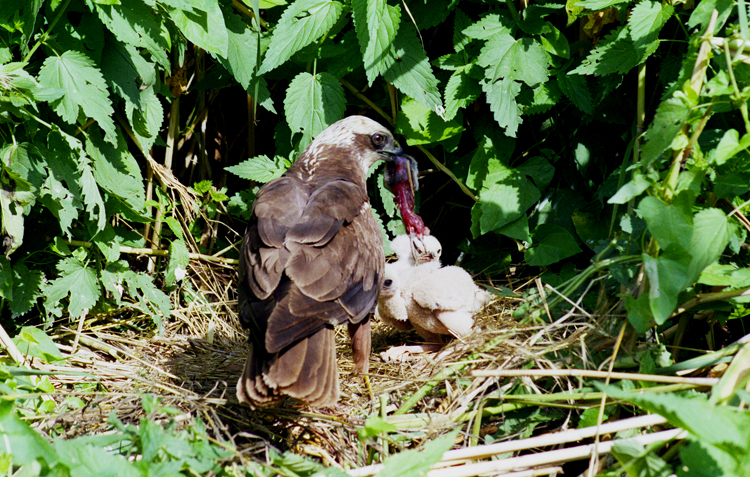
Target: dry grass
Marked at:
194, 365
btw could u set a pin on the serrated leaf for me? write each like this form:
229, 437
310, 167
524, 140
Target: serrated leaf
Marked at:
137, 24
411, 72
77, 281
117, 171
312, 104
259, 168
203, 25
551, 243
546, 95
26, 289
502, 98
576, 89
461, 21
386, 196
16, 197
25, 444
85, 89
146, 119
179, 259
421, 125
489, 26
151, 300
488, 164
522, 60
376, 24
596, 5
616, 53
119, 70
502, 202
242, 56
667, 123
647, 19
460, 91
302, 23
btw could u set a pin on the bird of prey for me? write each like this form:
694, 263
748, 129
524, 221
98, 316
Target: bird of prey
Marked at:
312, 257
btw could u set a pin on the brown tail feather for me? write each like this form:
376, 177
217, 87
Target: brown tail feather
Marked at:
306, 371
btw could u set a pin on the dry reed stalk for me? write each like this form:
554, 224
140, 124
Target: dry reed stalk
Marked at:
587, 373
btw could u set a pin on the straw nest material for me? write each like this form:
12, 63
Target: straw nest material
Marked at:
194, 366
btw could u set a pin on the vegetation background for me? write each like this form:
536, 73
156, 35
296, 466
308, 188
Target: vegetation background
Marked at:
593, 141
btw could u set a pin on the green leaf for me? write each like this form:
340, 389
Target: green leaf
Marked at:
616, 53
637, 459
546, 95
32, 341
647, 19
376, 24
312, 104
710, 236
410, 71
503, 202
259, 168
117, 171
151, 300
670, 224
551, 243
667, 278
26, 289
576, 89
631, 190
179, 258
85, 90
414, 463
302, 23
489, 26
90, 460
242, 56
488, 164
15, 201
374, 426
203, 25
718, 275
555, 42
667, 123
77, 281
730, 145
460, 91
596, 5
522, 60
421, 125
21, 441
502, 98
518, 229
120, 71
136, 24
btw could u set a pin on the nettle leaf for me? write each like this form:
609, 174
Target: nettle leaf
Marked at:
421, 125
576, 89
616, 53
151, 300
489, 26
146, 119
312, 104
302, 23
412, 462
545, 96
85, 89
667, 123
242, 56
460, 91
376, 24
203, 25
522, 60
27, 286
77, 281
488, 164
117, 171
596, 5
119, 70
411, 72
137, 24
646, 20
502, 98
461, 21
386, 196
259, 168
550, 244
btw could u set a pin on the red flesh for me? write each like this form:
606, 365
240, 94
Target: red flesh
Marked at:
405, 201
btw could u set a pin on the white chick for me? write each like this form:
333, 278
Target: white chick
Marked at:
413, 250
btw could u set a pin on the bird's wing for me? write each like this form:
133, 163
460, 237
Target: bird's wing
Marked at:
335, 265
447, 288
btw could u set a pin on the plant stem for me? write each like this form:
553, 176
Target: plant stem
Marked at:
46, 34
155, 252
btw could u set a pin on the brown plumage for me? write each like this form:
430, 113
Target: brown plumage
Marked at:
312, 258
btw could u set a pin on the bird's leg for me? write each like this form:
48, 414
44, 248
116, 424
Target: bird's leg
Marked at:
361, 335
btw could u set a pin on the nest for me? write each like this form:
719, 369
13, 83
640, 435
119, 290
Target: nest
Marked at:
194, 366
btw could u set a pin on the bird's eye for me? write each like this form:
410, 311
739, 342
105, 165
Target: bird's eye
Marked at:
378, 140
388, 282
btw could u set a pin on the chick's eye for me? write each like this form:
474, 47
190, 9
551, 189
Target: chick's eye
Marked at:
377, 140
388, 282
